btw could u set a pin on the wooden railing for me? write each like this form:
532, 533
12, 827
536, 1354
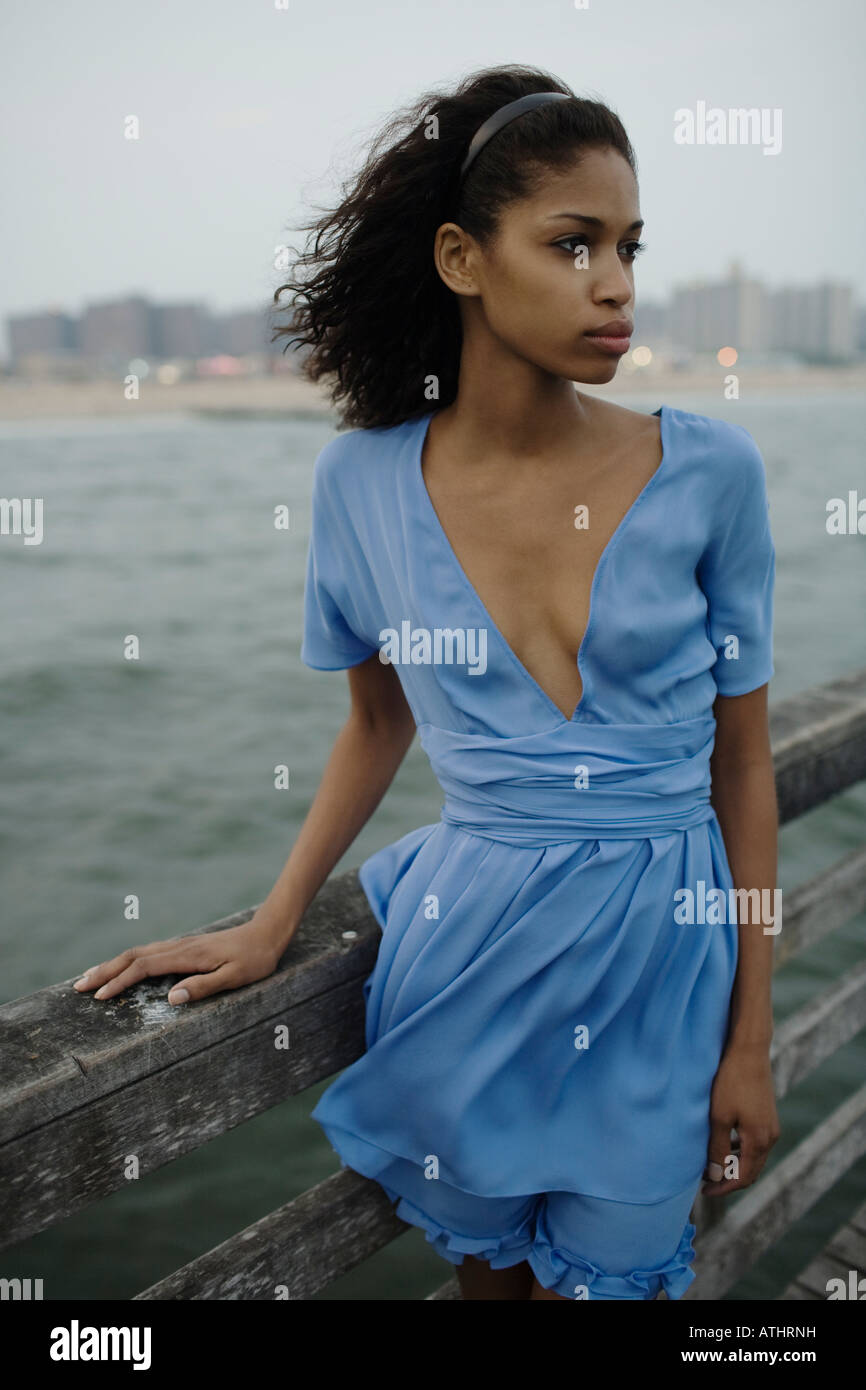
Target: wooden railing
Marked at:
86, 1084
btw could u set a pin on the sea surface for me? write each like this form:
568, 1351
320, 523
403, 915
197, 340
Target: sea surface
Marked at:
155, 776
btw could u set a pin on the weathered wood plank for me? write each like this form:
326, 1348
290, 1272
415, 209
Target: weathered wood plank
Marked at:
450, 1291
796, 1292
295, 1251
826, 901
54, 1170
60, 1050
819, 743
822, 1025
848, 1245
858, 1220
817, 1276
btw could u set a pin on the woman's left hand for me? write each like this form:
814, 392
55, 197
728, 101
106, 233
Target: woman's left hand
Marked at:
743, 1098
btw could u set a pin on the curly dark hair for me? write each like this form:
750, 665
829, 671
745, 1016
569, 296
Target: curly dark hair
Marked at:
368, 305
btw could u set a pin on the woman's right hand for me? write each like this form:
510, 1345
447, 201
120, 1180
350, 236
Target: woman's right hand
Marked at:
218, 960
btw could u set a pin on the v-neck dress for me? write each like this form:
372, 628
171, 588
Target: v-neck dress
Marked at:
550, 1000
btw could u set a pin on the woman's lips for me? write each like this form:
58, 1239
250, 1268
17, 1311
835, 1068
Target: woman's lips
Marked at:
609, 343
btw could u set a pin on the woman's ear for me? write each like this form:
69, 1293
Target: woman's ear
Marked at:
454, 255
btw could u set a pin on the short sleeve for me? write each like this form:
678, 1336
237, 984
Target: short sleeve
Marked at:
331, 640
737, 571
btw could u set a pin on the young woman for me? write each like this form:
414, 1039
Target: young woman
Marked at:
572, 604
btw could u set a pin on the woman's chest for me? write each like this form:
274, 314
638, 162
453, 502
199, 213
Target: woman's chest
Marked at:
530, 550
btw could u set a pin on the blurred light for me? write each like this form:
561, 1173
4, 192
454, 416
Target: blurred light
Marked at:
222, 365
168, 374
641, 356
138, 367
727, 356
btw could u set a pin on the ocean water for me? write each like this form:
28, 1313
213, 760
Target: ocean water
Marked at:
155, 776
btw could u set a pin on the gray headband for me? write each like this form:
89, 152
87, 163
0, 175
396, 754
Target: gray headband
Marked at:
506, 113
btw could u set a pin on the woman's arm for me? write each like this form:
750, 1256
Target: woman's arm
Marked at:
364, 760
744, 797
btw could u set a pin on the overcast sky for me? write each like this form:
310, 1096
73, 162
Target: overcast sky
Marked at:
249, 113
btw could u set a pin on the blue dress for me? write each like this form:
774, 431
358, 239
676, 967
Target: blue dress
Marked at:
543, 1016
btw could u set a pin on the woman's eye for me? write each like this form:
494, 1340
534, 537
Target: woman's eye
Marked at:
634, 248
580, 239
631, 249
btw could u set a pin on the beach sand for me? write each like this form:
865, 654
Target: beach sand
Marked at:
29, 399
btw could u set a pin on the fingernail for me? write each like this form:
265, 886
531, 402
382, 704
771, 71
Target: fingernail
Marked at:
715, 1171
178, 996
82, 980
99, 993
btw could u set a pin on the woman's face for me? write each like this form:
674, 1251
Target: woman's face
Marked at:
559, 267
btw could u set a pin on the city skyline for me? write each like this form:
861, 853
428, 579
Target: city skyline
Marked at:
818, 322
248, 120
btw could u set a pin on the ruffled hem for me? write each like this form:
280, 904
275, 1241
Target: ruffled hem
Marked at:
499, 1251
555, 1268
577, 1278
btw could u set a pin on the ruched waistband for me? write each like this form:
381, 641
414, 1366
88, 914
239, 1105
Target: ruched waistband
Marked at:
575, 781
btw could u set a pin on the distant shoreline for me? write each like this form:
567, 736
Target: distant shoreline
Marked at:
291, 396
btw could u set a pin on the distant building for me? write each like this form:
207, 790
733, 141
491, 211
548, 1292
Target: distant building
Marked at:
52, 333
729, 313
820, 321
184, 331
243, 332
113, 332
651, 324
